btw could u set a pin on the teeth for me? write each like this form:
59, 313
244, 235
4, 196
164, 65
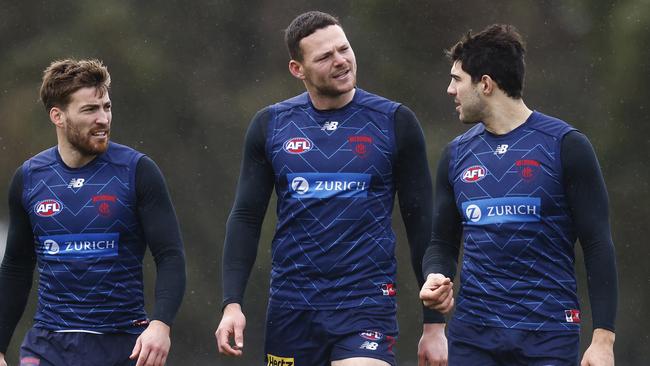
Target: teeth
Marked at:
341, 74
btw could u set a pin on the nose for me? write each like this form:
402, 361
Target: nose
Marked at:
338, 58
103, 118
451, 89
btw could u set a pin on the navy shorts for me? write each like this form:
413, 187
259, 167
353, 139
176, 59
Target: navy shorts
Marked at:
46, 348
318, 337
471, 344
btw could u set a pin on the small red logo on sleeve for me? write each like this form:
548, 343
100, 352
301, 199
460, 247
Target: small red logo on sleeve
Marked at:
388, 289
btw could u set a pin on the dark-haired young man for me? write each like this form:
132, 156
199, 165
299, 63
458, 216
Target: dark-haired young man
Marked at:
336, 155
521, 187
85, 210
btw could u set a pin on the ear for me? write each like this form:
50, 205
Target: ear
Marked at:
295, 68
487, 85
57, 116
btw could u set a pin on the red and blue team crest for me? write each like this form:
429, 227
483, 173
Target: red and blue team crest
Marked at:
47, 208
371, 335
528, 169
103, 203
474, 174
388, 289
298, 145
572, 316
360, 145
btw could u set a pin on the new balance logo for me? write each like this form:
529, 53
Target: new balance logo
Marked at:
330, 126
76, 183
369, 345
501, 149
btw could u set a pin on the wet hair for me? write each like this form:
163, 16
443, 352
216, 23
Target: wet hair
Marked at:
64, 77
304, 25
497, 51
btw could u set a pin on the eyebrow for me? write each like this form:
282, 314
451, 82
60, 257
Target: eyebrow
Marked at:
94, 105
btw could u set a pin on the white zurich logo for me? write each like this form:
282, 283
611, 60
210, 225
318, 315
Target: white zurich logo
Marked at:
51, 246
473, 213
300, 185
330, 126
76, 183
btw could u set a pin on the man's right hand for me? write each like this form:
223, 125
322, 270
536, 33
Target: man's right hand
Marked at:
438, 293
2, 359
232, 326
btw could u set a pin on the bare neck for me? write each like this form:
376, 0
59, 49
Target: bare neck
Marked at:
506, 114
325, 102
72, 157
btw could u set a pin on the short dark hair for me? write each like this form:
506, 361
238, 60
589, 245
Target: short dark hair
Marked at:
497, 51
304, 25
64, 77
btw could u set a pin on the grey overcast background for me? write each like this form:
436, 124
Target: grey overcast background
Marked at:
189, 75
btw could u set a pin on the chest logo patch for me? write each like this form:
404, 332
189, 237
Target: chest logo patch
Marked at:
298, 145
528, 169
473, 174
360, 145
47, 208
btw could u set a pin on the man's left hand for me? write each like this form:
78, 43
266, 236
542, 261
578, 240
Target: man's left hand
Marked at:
432, 349
601, 350
152, 346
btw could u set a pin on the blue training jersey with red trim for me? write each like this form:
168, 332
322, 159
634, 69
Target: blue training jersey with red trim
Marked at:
334, 245
518, 234
88, 241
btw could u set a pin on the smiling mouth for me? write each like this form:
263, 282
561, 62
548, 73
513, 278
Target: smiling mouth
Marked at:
103, 133
341, 75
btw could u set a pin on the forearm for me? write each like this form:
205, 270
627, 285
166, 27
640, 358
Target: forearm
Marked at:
588, 201
254, 187
17, 268
444, 246
162, 234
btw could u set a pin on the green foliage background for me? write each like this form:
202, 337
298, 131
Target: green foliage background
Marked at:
189, 75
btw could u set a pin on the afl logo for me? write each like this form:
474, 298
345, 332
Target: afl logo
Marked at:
474, 174
297, 145
51, 247
473, 213
371, 335
300, 185
47, 208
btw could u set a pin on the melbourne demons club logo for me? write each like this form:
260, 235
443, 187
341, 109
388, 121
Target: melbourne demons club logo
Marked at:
298, 145
473, 174
47, 208
360, 145
528, 169
103, 203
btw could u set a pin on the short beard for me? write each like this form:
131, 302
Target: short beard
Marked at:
82, 143
474, 112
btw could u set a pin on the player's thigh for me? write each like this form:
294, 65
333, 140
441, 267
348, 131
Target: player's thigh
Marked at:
364, 334
471, 344
360, 361
295, 337
557, 348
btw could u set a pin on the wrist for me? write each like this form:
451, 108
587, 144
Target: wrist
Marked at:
433, 328
160, 325
603, 337
236, 307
